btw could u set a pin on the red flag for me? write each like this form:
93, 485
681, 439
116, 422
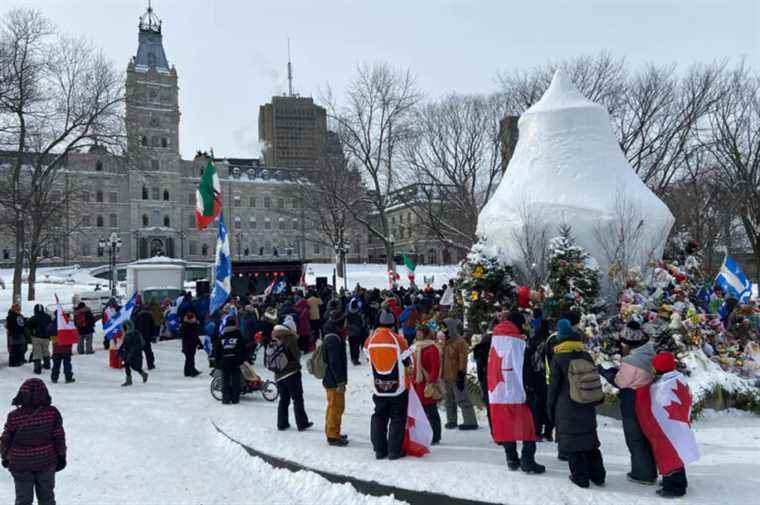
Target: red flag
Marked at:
419, 434
663, 409
67, 330
511, 419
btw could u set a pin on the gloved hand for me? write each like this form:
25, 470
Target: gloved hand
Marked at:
61, 463
5, 463
460, 380
342, 387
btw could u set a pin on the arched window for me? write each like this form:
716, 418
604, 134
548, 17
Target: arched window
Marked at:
99, 196
281, 224
113, 221
99, 222
144, 193
98, 166
295, 224
145, 220
191, 221
144, 140
204, 250
164, 142
166, 195
252, 222
167, 221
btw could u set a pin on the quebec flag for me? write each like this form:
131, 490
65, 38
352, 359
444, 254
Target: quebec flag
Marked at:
732, 280
112, 324
222, 269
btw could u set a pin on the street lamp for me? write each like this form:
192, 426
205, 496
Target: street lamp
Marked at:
113, 245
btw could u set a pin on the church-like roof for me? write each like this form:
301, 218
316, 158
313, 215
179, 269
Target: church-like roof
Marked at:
150, 48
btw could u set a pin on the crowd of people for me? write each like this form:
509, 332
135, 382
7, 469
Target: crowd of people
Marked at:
411, 338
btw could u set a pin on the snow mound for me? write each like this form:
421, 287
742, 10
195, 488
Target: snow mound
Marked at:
568, 168
706, 376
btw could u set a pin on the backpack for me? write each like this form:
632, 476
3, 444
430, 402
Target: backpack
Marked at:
80, 321
276, 357
317, 362
585, 383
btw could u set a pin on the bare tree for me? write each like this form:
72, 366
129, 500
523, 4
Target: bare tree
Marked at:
372, 123
63, 96
454, 157
532, 239
733, 140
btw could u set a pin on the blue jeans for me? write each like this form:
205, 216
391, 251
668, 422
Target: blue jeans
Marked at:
57, 359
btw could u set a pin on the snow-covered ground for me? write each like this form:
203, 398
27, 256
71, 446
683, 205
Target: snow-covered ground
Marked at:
154, 444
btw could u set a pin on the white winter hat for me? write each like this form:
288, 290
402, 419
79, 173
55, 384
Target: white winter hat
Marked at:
290, 324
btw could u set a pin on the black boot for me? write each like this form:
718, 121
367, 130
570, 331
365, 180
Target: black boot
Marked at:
46, 363
37, 366
513, 461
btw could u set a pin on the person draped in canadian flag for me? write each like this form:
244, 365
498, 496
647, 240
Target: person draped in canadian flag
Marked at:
511, 418
664, 409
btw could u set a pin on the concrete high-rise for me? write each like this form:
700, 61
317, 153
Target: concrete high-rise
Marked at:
292, 131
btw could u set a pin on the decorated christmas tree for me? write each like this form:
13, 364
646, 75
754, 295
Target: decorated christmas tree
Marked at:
573, 276
486, 283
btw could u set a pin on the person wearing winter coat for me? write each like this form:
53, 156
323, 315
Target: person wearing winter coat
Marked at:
15, 328
357, 331
480, 353
335, 379
575, 422
385, 350
229, 354
145, 325
61, 356
33, 444
304, 326
85, 323
189, 331
315, 318
535, 378
41, 327
635, 372
289, 382
158, 318
455, 352
408, 320
427, 375
131, 351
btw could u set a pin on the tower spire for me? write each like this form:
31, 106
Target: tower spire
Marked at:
290, 72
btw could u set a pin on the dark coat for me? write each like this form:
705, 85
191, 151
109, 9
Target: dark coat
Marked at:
188, 332
131, 349
15, 325
355, 324
144, 324
33, 439
40, 324
85, 321
290, 341
337, 361
480, 352
576, 422
229, 348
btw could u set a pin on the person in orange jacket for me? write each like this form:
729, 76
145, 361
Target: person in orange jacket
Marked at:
388, 358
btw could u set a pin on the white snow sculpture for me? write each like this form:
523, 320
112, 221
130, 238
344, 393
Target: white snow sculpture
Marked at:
568, 168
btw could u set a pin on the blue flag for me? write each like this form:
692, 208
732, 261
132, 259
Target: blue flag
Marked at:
112, 325
222, 269
732, 280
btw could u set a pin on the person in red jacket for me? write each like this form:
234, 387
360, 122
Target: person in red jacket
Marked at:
33, 443
427, 373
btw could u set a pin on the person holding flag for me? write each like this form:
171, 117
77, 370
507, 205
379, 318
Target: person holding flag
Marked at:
222, 269
664, 411
66, 336
113, 319
733, 282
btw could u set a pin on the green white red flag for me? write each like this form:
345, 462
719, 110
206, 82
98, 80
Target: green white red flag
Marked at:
208, 197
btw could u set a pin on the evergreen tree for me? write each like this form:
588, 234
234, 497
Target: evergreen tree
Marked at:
573, 278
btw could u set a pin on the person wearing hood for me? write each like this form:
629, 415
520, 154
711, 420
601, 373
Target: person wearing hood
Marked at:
229, 354
455, 352
336, 377
131, 352
189, 331
15, 327
575, 421
635, 372
33, 444
85, 323
357, 330
288, 377
41, 327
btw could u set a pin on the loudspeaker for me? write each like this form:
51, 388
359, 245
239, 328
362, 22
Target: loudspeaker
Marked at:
202, 288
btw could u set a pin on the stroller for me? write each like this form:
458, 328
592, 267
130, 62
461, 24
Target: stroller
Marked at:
250, 382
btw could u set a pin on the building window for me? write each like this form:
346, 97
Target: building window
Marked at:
267, 224
155, 192
113, 221
154, 165
191, 199
99, 222
267, 202
99, 197
98, 166
236, 201
294, 203
238, 224
6, 254
252, 223
317, 249
85, 249
167, 221
166, 195
86, 221
144, 193
204, 250
86, 197
145, 220
295, 224
280, 203
113, 197
281, 223
144, 141
252, 202
193, 248
164, 142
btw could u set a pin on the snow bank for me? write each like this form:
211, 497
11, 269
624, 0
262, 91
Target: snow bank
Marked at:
376, 276
568, 168
707, 377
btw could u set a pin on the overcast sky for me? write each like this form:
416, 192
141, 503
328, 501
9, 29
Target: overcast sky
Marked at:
231, 55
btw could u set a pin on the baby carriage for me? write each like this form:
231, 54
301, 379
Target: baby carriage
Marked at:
250, 382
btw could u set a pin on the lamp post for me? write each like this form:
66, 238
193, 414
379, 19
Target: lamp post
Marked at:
113, 245
182, 244
340, 255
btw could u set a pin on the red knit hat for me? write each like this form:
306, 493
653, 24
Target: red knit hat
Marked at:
664, 362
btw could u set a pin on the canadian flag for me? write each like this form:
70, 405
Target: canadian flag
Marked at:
663, 409
511, 419
67, 330
419, 433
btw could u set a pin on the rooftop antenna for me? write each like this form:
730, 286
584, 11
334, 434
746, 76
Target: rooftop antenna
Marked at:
290, 72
